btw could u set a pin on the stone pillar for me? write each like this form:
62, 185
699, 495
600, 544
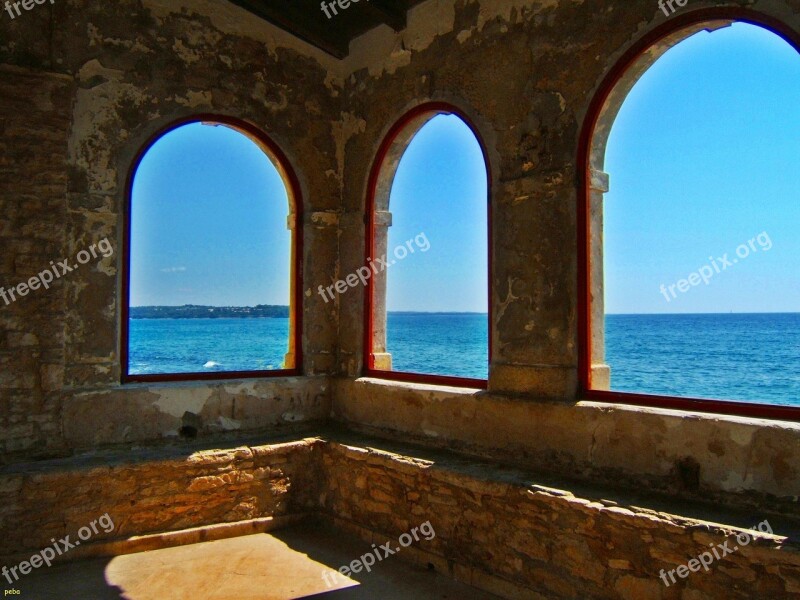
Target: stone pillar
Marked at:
289, 361
600, 371
382, 359
534, 287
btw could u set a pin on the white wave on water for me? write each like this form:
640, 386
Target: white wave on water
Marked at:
211, 364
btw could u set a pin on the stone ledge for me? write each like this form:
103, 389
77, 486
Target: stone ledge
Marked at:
483, 475
135, 453
737, 459
155, 490
508, 531
498, 530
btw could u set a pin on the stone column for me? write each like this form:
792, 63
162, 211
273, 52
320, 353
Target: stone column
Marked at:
382, 358
289, 361
600, 371
534, 287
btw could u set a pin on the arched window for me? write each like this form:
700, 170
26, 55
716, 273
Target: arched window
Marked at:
688, 223
212, 255
427, 303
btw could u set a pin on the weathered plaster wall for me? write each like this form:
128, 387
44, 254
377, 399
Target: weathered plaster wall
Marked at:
731, 459
525, 73
83, 85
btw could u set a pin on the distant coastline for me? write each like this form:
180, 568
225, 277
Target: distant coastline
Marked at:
194, 311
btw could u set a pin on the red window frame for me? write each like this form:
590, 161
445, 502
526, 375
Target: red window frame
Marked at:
672, 26
434, 109
293, 185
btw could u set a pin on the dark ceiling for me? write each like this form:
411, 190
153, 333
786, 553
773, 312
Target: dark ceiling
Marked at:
307, 20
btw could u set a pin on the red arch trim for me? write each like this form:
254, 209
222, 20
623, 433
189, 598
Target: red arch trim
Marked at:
261, 138
674, 25
428, 108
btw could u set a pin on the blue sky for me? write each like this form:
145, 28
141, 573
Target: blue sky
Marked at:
440, 189
705, 155
209, 222
209, 214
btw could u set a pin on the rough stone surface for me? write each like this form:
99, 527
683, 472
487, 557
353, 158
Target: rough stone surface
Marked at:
508, 531
737, 461
83, 86
34, 122
154, 491
496, 527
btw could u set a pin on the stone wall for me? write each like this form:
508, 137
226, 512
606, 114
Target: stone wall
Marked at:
34, 124
737, 461
154, 491
84, 85
501, 530
525, 74
513, 532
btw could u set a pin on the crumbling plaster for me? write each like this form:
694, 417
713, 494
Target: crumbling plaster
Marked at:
525, 74
101, 80
523, 71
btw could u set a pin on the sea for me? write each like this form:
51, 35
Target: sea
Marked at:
161, 346
746, 357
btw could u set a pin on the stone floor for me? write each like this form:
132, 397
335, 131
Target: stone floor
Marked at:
284, 564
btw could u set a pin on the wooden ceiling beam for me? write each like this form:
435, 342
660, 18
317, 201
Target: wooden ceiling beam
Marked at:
331, 31
285, 15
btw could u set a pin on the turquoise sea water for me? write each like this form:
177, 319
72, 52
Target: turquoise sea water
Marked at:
749, 357
439, 343
206, 345
420, 343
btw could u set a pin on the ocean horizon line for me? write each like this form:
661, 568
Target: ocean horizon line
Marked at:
458, 312
286, 306
689, 314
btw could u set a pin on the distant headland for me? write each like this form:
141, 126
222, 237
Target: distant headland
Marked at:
193, 311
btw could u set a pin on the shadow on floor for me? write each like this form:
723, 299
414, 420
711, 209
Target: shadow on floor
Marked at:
298, 562
390, 578
84, 580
